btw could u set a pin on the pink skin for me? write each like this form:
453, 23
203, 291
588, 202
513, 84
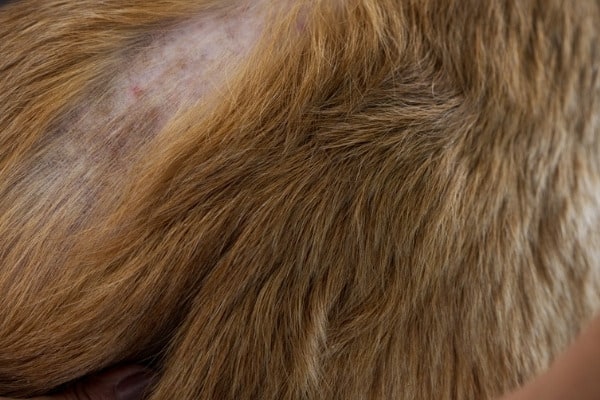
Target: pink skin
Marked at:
137, 91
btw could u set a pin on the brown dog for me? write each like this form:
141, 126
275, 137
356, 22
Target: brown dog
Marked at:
328, 199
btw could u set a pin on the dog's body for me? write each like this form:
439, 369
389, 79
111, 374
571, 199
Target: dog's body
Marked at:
356, 199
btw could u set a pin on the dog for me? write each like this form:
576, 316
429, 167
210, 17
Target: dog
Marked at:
326, 199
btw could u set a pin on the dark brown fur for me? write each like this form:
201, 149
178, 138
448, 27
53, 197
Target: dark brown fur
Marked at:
399, 200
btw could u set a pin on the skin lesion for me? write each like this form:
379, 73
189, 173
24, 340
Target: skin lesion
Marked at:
180, 64
193, 58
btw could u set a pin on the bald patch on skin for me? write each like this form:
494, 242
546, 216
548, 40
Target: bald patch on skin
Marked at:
166, 70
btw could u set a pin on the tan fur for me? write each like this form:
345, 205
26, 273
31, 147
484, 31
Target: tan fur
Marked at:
393, 199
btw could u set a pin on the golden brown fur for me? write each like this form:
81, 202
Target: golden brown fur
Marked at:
394, 199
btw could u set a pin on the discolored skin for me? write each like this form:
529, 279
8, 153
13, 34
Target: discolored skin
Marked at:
321, 199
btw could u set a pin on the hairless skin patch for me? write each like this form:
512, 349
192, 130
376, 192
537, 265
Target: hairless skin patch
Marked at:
178, 66
191, 59
94, 145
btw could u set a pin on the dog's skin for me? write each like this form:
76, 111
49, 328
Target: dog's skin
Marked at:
328, 199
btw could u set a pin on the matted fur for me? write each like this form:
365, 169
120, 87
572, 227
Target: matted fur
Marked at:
392, 199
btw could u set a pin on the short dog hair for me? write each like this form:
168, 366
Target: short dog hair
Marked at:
381, 199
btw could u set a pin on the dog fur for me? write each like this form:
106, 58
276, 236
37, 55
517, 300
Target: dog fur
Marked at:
388, 199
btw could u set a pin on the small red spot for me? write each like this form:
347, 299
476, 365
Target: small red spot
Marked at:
137, 91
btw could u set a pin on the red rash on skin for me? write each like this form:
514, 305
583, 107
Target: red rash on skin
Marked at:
137, 91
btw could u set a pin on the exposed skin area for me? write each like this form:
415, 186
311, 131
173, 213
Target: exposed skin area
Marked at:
167, 69
172, 67
190, 60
